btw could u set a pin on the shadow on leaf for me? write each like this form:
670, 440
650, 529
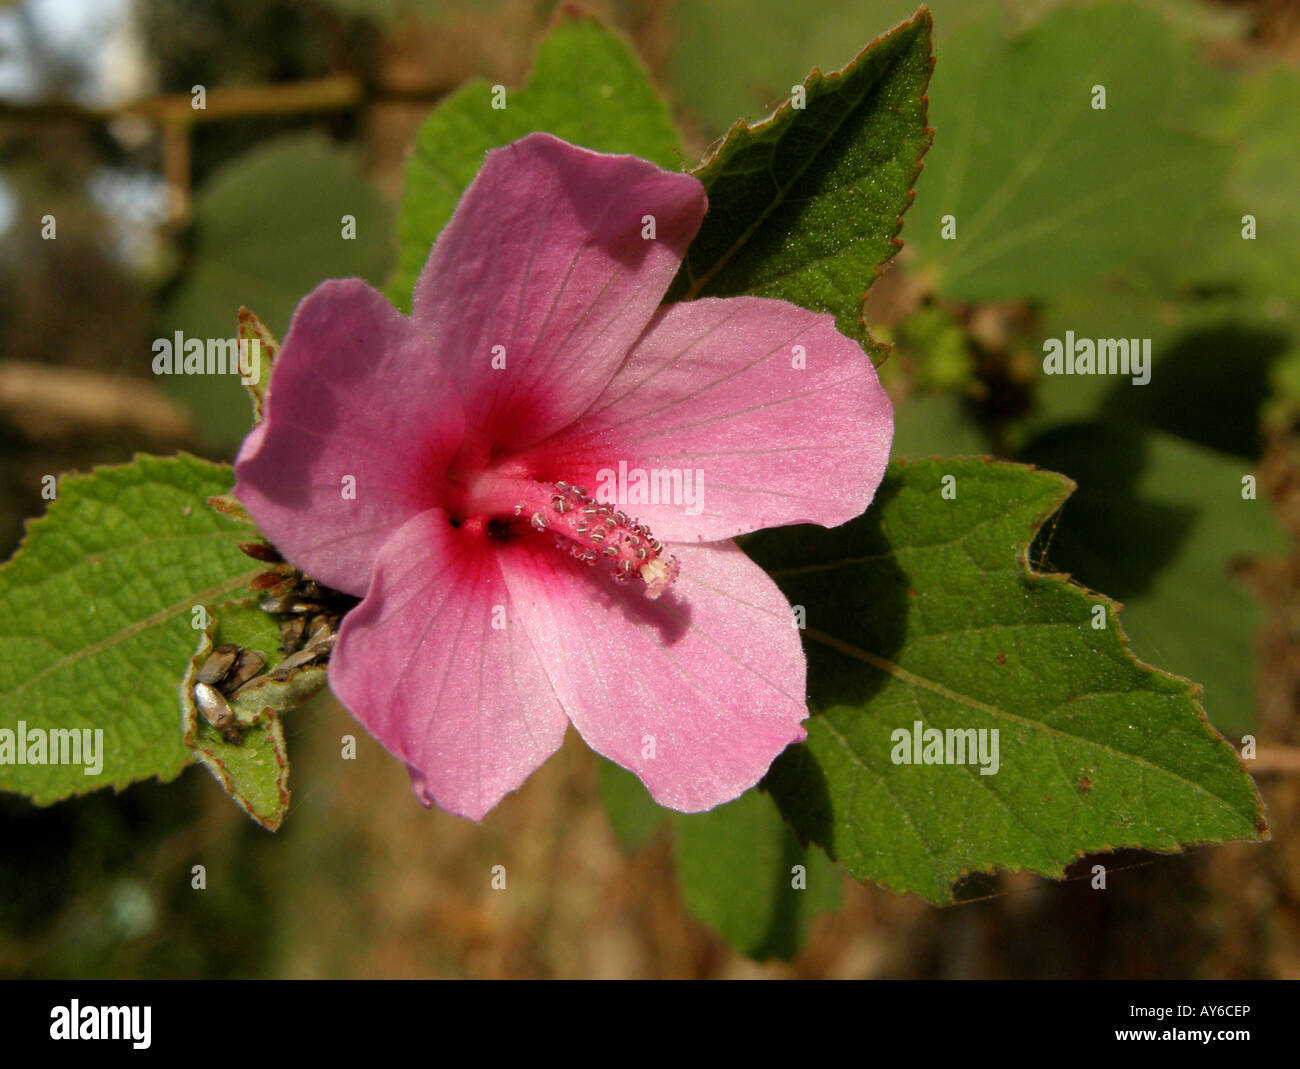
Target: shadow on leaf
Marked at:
1112, 538
871, 614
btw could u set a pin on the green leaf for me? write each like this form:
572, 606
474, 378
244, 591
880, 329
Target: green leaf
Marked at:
96, 616
268, 228
1157, 522
587, 87
1047, 191
925, 609
807, 205
745, 875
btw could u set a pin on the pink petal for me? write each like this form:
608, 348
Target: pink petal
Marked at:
545, 257
711, 674
713, 389
355, 392
420, 663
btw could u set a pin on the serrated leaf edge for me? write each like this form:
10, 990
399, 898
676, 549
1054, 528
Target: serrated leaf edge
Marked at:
815, 76
1193, 690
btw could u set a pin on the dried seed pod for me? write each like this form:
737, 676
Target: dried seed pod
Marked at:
217, 712
266, 580
312, 590
218, 665
262, 551
317, 628
289, 604
291, 633
301, 659
249, 663
322, 644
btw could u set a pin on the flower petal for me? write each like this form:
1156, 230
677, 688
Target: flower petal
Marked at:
435, 663
545, 258
696, 692
358, 420
767, 413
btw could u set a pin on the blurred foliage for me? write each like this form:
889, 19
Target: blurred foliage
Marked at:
736, 864
268, 228
386, 12
746, 875
1048, 191
766, 46
224, 43
102, 888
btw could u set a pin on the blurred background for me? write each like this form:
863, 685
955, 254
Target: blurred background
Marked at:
166, 217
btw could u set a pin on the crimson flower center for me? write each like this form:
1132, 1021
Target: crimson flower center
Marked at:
587, 530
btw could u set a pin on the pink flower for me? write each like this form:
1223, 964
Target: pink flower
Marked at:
430, 463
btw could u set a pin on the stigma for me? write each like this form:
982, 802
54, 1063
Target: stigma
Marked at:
597, 534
